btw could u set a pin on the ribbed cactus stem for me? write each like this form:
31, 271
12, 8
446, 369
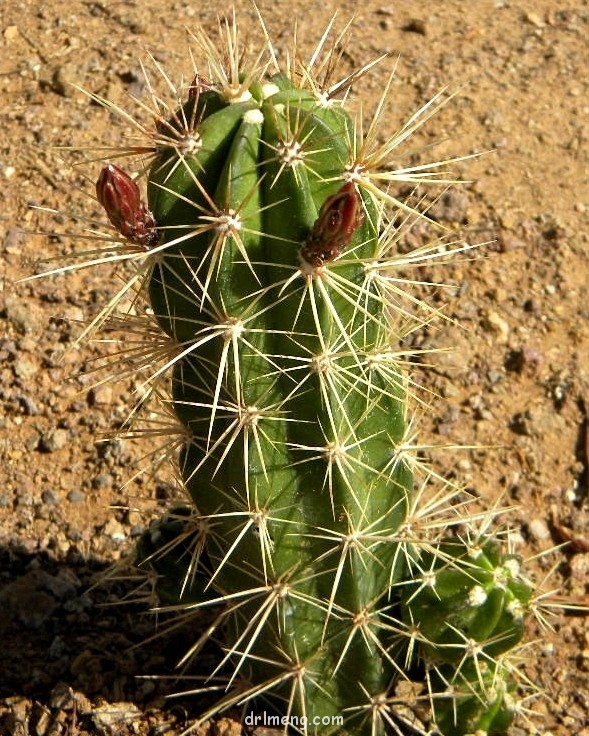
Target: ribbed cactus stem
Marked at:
293, 431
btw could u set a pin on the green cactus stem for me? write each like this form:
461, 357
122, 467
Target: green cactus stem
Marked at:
293, 430
468, 603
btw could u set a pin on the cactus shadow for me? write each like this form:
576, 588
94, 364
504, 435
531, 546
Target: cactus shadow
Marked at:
62, 630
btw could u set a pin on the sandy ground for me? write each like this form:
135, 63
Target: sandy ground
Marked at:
516, 383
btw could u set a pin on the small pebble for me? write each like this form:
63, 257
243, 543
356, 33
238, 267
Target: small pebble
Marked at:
115, 530
109, 715
101, 395
15, 237
579, 566
63, 79
524, 360
76, 496
11, 32
29, 407
104, 480
494, 376
495, 323
538, 529
24, 368
21, 315
50, 498
534, 19
55, 440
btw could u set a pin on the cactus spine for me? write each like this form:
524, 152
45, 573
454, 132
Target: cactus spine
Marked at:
267, 251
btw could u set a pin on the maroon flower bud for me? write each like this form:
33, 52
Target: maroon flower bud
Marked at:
121, 199
199, 84
339, 218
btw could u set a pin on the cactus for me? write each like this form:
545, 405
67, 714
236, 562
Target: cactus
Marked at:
267, 250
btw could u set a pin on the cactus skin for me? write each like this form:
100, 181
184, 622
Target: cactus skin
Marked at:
271, 237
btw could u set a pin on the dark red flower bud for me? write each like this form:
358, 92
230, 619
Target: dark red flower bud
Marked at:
339, 218
121, 199
199, 84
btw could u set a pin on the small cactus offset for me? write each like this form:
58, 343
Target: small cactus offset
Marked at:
337, 571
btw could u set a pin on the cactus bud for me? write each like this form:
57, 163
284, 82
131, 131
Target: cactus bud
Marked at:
199, 84
339, 217
118, 193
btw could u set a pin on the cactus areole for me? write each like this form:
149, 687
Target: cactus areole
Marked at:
268, 237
